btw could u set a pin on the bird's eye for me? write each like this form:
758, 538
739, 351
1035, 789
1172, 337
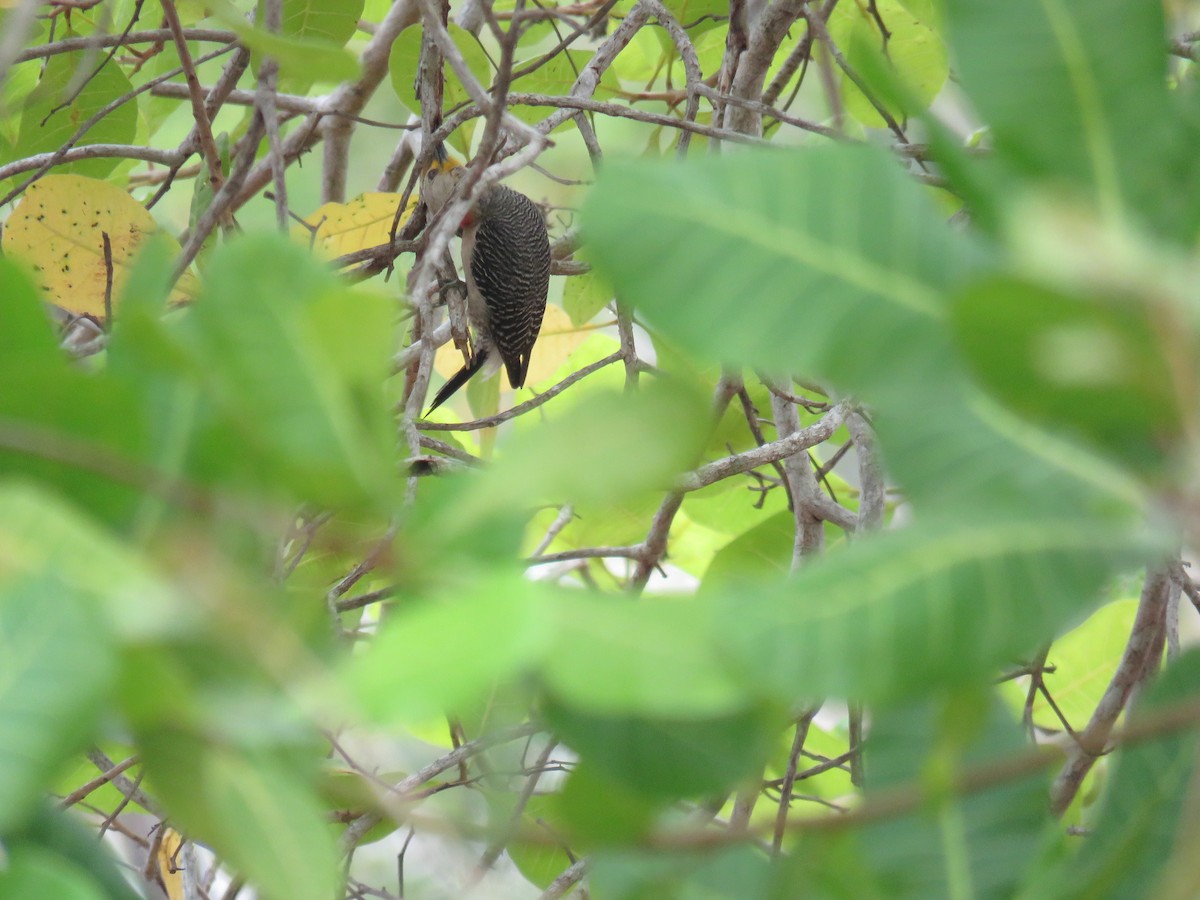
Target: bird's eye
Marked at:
433, 173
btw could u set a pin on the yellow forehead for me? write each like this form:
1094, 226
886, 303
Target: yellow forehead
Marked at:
444, 165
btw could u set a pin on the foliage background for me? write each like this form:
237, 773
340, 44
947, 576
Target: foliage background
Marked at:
837, 547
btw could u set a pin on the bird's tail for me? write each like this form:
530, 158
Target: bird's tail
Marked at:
461, 377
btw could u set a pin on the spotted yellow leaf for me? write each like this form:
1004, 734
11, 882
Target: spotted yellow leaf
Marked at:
58, 229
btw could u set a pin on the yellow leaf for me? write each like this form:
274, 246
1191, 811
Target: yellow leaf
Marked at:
168, 863
58, 229
365, 221
558, 339
447, 360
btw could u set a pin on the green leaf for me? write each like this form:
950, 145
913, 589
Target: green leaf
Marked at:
58, 667
300, 59
939, 603
58, 424
985, 839
405, 59
601, 809
33, 872
439, 654
253, 809
41, 533
669, 758
310, 46
26, 341
764, 550
53, 831
914, 51
299, 360
1093, 366
653, 657
584, 296
1077, 93
601, 452
333, 20
42, 132
1144, 840
712, 875
555, 79
845, 256
958, 452
697, 16
540, 863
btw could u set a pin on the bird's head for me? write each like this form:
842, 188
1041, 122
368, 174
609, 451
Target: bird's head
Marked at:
440, 179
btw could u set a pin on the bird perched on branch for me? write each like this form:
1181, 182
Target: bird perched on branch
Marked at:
506, 264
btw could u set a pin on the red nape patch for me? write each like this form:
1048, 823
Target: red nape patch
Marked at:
468, 220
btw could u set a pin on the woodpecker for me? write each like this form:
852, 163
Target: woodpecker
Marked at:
506, 263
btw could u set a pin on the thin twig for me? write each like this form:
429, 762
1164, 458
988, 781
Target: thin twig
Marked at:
522, 408
96, 783
1138, 662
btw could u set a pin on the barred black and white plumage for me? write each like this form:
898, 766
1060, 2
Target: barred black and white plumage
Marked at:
506, 262
510, 267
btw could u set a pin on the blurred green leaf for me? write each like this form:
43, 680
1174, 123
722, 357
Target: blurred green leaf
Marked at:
715, 875
1077, 93
607, 448
252, 807
983, 841
651, 657
1093, 366
846, 256
27, 340
33, 872
762, 551
58, 667
299, 360
669, 758
939, 603
447, 651
959, 453
600, 809
58, 424
604, 451
53, 831
40, 533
